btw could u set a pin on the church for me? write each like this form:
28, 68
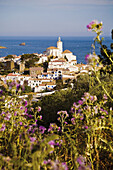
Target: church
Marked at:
58, 51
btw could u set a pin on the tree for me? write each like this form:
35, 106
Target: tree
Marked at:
60, 100
10, 57
27, 89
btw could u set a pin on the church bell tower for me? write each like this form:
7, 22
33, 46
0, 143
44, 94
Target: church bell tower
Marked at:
60, 47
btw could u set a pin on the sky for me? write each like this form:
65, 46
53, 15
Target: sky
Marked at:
54, 17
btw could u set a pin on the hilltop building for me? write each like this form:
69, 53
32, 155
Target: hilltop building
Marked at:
58, 52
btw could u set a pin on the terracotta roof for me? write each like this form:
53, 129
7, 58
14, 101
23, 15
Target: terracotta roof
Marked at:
36, 68
66, 51
2, 75
11, 74
52, 47
58, 61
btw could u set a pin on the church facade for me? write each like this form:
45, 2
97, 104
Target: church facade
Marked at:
58, 52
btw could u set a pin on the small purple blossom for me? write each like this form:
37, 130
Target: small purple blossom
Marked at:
80, 102
8, 116
64, 166
21, 108
20, 123
32, 139
52, 143
3, 127
42, 129
17, 86
86, 127
30, 116
91, 58
73, 120
39, 109
25, 103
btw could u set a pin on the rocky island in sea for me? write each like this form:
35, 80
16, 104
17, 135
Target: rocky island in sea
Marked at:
23, 44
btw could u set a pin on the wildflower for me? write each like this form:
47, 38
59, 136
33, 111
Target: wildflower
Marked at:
80, 102
3, 127
17, 86
25, 103
21, 108
42, 129
39, 109
64, 166
30, 116
105, 97
20, 123
92, 58
15, 114
81, 160
86, 127
32, 139
26, 110
40, 117
94, 26
81, 118
73, 120
8, 116
59, 128
51, 143
3, 113
105, 111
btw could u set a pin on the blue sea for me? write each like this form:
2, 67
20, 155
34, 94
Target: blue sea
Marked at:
80, 46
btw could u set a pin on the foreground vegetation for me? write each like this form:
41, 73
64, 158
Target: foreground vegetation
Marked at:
71, 129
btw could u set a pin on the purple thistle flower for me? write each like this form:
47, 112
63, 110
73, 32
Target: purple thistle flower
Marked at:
86, 127
15, 114
17, 86
21, 108
25, 103
20, 123
80, 102
73, 120
105, 97
32, 139
26, 110
3, 127
39, 109
59, 128
64, 166
42, 129
3, 113
8, 116
81, 118
30, 116
81, 160
52, 143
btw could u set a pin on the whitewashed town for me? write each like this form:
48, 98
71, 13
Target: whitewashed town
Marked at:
61, 65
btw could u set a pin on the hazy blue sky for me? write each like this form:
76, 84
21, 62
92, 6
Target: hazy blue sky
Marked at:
53, 17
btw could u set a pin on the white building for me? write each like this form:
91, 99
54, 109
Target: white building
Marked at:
58, 51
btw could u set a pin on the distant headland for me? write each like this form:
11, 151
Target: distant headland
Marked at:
1, 47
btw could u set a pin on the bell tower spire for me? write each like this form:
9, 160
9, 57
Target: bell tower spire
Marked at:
60, 47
